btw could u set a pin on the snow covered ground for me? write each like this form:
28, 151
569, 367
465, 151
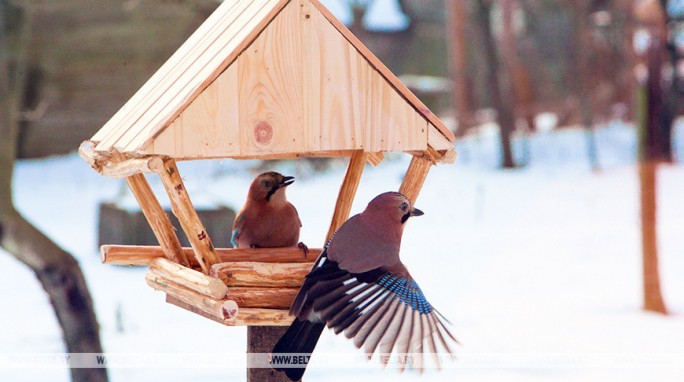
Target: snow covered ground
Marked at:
537, 262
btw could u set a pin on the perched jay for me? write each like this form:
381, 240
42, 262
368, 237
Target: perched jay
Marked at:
267, 219
360, 286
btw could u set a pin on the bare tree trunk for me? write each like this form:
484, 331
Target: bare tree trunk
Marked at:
57, 271
518, 77
653, 299
456, 12
583, 78
671, 94
650, 103
499, 91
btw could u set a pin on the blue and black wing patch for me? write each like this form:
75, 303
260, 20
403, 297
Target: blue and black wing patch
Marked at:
382, 312
407, 291
233, 238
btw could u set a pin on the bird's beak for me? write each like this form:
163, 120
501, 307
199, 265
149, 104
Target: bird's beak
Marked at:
287, 180
413, 212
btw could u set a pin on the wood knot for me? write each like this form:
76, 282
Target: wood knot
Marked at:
263, 133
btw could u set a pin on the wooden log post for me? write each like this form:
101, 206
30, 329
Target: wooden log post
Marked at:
257, 297
219, 309
244, 317
143, 254
415, 177
189, 278
187, 216
118, 169
347, 192
157, 218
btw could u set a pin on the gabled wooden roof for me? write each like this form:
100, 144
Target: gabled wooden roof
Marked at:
264, 77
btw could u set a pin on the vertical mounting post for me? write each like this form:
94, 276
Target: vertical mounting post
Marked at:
187, 216
345, 198
157, 218
262, 339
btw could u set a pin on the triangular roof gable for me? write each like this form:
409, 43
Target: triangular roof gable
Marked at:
271, 76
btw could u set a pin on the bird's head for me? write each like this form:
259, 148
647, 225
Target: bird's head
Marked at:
393, 206
269, 187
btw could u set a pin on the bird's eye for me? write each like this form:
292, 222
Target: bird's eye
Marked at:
267, 184
404, 206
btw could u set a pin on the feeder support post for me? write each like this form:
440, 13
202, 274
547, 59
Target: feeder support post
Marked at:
157, 218
262, 339
345, 198
415, 177
187, 216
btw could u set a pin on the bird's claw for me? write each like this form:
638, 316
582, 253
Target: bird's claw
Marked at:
304, 248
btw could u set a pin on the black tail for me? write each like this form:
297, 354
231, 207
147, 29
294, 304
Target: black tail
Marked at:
301, 337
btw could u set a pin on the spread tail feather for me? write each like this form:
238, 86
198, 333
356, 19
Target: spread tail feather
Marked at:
301, 337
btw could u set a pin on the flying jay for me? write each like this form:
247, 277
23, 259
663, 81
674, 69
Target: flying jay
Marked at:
359, 286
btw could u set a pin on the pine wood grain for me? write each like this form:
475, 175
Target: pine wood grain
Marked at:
157, 218
142, 255
415, 177
262, 317
161, 80
203, 71
268, 78
332, 109
384, 71
260, 297
208, 127
189, 278
244, 317
182, 207
218, 308
261, 274
437, 141
345, 197
270, 88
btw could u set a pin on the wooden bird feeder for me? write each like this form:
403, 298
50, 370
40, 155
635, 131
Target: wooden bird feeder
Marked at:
260, 79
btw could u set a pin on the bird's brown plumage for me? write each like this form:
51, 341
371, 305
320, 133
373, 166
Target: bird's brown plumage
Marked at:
359, 286
267, 220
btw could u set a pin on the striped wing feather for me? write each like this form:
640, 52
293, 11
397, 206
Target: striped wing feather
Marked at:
380, 311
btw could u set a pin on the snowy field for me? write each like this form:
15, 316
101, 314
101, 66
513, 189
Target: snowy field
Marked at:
542, 261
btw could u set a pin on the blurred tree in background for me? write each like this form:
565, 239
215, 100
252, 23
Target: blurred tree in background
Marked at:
654, 127
57, 270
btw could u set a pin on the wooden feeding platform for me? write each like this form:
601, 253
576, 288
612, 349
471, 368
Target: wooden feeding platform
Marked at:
260, 79
247, 287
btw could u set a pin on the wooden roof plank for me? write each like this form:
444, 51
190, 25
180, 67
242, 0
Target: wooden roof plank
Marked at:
174, 101
331, 110
193, 61
385, 72
111, 129
209, 126
437, 141
270, 87
177, 80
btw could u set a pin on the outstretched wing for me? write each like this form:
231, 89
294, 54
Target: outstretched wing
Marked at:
380, 310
